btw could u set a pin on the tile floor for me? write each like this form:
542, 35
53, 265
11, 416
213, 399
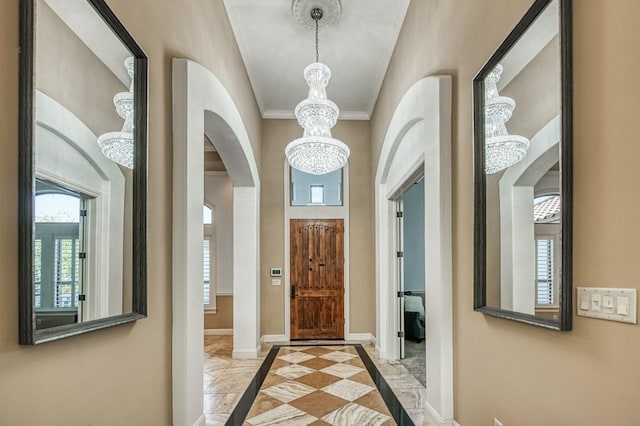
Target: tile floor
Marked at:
225, 380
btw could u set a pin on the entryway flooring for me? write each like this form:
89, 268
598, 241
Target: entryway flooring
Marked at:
226, 380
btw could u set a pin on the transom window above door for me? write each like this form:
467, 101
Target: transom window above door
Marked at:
311, 190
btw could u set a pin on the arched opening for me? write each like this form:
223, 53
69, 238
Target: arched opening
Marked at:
419, 135
202, 106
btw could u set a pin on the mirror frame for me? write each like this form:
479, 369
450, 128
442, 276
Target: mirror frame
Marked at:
28, 334
566, 171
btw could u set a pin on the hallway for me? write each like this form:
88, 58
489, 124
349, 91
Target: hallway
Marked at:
225, 378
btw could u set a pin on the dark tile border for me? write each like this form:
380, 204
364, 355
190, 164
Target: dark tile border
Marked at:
244, 405
398, 412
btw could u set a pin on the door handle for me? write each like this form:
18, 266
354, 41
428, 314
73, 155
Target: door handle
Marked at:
293, 291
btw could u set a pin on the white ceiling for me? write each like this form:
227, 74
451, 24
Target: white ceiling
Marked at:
276, 48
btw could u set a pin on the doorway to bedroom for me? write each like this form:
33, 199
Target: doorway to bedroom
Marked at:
410, 217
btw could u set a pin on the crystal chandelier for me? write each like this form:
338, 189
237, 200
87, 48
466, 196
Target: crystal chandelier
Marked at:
317, 152
501, 149
118, 146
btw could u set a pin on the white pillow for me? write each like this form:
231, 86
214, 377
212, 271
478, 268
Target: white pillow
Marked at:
413, 304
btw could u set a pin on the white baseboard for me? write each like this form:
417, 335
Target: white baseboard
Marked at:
202, 421
367, 337
433, 417
247, 353
218, 331
281, 338
272, 338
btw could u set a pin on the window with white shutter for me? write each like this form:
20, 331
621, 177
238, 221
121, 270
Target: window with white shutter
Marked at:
208, 256
206, 251
544, 271
57, 263
547, 210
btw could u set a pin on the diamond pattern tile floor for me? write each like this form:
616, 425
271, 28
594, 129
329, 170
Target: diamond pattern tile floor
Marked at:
315, 397
318, 390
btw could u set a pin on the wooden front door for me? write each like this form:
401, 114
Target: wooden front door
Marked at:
317, 279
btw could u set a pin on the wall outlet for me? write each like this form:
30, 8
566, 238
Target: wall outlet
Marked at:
497, 422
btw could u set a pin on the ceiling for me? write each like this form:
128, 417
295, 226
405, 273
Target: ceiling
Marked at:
276, 49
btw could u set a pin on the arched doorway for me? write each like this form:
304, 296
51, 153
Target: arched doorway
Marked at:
201, 105
419, 135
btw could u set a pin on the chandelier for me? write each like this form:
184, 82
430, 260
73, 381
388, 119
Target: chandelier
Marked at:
317, 152
501, 149
118, 146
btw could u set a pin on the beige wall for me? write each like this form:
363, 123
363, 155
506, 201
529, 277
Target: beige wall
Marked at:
75, 77
223, 318
122, 375
589, 375
276, 135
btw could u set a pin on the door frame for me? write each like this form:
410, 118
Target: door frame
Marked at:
202, 105
420, 128
312, 212
413, 176
343, 275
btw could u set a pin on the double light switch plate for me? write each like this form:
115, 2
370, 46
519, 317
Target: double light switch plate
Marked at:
613, 304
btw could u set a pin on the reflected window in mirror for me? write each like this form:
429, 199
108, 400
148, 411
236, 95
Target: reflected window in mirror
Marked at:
522, 142
58, 264
546, 219
82, 170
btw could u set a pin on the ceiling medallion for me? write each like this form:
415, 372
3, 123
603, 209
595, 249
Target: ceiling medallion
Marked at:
301, 10
317, 152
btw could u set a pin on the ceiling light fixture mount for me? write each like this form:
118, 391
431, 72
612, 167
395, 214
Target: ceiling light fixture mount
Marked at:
302, 11
317, 152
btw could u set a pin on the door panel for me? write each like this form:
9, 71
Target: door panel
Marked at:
317, 278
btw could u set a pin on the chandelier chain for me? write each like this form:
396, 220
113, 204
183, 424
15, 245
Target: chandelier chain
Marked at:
317, 47
316, 15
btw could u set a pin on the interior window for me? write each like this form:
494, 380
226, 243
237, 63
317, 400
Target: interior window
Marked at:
311, 190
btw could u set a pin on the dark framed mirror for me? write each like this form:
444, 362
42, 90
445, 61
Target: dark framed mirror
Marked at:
522, 101
83, 171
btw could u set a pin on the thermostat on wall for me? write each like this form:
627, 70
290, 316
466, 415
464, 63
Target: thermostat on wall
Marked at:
276, 272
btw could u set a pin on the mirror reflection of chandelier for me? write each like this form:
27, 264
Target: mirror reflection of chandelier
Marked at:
118, 146
317, 152
501, 149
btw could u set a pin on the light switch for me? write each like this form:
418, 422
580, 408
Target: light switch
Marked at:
596, 302
623, 305
584, 302
607, 302
276, 281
